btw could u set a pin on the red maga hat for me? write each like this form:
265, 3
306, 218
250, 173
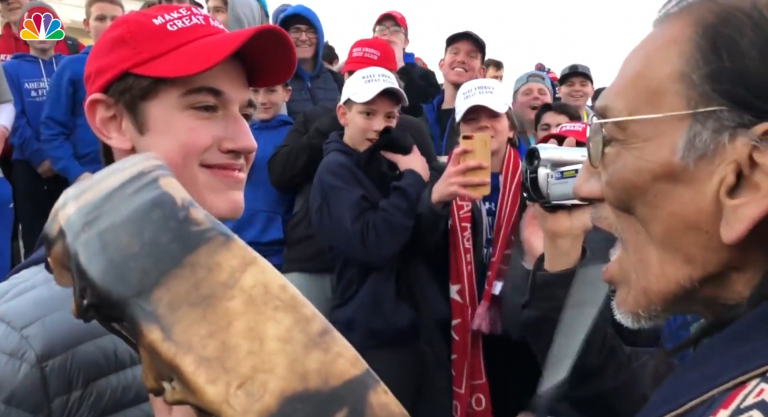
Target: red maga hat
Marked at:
371, 52
171, 41
576, 130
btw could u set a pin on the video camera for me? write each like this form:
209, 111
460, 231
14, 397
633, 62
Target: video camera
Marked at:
550, 171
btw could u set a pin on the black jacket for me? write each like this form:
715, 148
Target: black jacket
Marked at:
612, 376
420, 86
292, 168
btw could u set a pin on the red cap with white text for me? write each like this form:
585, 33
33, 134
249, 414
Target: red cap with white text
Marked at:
371, 52
172, 41
576, 130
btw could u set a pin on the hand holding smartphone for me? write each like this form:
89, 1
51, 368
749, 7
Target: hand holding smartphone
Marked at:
480, 145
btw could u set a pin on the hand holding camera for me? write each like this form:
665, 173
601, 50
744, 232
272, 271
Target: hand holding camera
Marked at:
556, 222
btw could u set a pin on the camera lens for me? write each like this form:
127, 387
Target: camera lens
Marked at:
532, 158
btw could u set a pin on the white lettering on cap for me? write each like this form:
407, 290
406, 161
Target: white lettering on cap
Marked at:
571, 126
385, 78
186, 17
366, 53
479, 90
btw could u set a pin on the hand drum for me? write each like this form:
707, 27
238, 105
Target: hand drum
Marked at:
217, 327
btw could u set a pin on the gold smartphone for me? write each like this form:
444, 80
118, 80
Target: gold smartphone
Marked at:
480, 143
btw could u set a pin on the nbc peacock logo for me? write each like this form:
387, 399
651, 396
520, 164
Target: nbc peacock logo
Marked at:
42, 27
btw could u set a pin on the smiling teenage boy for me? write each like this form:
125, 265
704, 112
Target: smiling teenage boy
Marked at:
193, 116
267, 210
475, 263
462, 62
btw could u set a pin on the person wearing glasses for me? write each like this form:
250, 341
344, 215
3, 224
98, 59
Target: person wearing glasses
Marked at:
419, 83
312, 84
692, 227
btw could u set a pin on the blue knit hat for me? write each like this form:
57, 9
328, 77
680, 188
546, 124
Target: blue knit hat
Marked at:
279, 12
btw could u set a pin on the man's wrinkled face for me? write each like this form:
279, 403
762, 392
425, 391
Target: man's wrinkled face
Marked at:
101, 16
198, 126
528, 99
269, 100
480, 119
462, 62
390, 31
305, 40
11, 9
665, 213
496, 74
549, 122
217, 9
364, 122
576, 91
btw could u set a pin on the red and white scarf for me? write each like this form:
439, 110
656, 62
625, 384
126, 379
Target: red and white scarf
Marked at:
471, 396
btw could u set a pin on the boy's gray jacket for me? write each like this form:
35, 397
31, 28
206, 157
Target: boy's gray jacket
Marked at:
53, 365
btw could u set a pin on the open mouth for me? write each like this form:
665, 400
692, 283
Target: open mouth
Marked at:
459, 69
371, 141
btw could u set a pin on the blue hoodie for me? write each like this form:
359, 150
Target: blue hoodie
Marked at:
317, 87
29, 78
368, 232
66, 138
267, 210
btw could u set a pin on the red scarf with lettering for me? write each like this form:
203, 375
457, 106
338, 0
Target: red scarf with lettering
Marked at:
469, 321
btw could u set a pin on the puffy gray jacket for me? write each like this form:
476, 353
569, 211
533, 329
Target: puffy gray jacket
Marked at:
52, 365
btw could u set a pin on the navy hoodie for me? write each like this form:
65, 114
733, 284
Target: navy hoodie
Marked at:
367, 232
727, 375
267, 210
66, 138
443, 144
29, 78
317, 87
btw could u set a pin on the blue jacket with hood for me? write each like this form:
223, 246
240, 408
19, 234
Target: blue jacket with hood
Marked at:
267, 210
29, 78
66, 138
368, 232
317, 87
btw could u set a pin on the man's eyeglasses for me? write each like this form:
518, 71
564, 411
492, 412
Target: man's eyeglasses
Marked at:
296, 32
596, 130
385, 30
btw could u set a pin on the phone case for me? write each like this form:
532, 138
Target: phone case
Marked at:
480, 143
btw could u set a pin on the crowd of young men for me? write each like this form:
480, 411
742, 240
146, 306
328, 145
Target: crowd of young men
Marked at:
355, 193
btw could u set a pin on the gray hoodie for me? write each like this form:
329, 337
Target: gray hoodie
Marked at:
244, 14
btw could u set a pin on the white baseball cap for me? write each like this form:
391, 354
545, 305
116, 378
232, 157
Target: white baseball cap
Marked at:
485, 92
367, 83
